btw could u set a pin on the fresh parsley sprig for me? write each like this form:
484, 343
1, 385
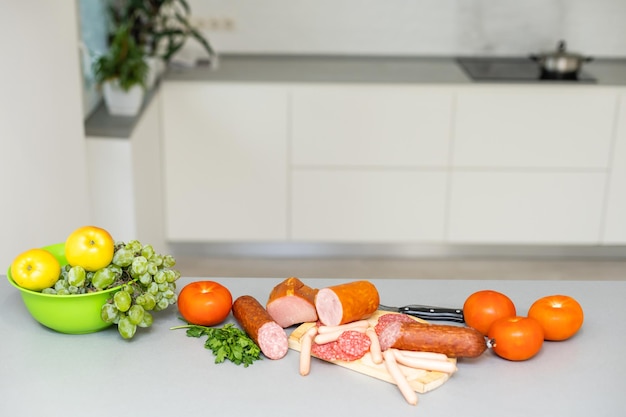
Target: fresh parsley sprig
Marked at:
227, 342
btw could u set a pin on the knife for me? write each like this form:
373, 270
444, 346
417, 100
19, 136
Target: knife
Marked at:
428, 312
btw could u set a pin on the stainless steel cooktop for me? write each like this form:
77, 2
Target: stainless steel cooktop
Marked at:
513, 70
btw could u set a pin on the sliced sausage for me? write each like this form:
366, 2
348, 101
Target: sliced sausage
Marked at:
260, 326
292, 302
452, 341
344, 303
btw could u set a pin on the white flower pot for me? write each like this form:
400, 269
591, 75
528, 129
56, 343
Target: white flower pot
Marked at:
120, 102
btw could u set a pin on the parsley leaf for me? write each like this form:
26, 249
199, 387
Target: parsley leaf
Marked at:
227, 342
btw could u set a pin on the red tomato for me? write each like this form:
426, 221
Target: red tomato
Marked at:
205, 303
484, 307
560, 316
516, 338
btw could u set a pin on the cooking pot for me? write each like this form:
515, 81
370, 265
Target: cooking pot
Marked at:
560, 63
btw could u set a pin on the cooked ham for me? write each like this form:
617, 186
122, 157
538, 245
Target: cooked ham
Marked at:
292, 302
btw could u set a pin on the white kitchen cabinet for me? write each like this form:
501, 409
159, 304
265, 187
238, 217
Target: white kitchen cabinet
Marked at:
521, 207
364, 205
225, 161
534, 127
371, 126
125, 184
615, 226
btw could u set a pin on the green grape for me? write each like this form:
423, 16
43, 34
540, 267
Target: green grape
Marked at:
135, 314
162, 304
168, 261
51, 291
146, 278
147, 320
73, 289
153, 288
60, 284
76, 276
147, 251
125, 328
160, 277
134, 246
63, 291
152, 268
163, 287
168, 293
109, 313
139, 266
122, 300
171, 275
102, 278
147, 301
123, 257
117, 270
157, 259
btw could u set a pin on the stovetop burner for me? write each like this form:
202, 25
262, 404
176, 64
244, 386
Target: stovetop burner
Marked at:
514, 70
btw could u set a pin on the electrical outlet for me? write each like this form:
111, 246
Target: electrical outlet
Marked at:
214, 24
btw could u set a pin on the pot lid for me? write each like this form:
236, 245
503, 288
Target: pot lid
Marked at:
561, 52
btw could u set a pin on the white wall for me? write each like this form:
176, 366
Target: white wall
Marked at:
42, 170
416, 27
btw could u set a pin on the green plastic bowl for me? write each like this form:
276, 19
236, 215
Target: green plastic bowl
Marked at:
72, 314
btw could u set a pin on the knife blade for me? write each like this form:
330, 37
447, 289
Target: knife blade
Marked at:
428, 312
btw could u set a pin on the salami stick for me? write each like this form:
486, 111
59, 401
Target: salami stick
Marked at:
260, 326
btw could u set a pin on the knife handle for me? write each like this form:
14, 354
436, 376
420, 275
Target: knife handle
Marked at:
434, 313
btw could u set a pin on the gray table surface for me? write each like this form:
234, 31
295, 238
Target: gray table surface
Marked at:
162, 372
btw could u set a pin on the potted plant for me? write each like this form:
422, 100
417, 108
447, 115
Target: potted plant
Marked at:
160, 27
122, 72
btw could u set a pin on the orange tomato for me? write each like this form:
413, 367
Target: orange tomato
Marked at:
561, 316
90, 247
204, 303
516, 338
484, 307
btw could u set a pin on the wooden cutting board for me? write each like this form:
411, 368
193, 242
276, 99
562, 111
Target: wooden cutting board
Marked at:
421, 381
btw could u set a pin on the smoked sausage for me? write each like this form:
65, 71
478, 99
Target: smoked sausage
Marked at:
344, 303
452, 341
260, 326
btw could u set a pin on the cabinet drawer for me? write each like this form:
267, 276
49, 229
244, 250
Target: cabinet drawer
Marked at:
368, 206
370, 126
529, 127
526, 207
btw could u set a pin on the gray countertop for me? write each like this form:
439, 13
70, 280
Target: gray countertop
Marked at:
161, 372
327, 69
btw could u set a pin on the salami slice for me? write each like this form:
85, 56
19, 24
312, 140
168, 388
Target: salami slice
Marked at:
354, 344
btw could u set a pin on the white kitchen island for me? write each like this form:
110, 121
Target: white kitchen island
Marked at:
162, 372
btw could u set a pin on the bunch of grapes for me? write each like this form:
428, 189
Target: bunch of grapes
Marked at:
147, 284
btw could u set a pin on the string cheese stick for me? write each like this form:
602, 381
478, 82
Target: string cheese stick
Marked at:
396, 374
